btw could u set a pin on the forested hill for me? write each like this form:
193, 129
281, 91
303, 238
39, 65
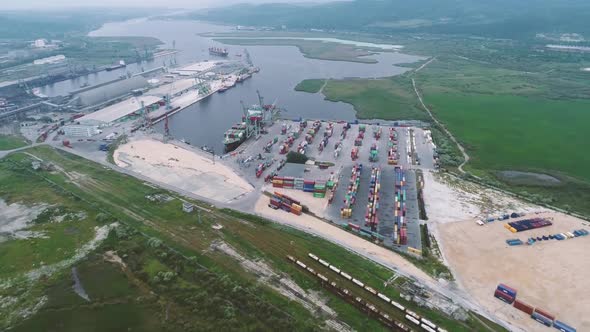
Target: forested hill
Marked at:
492, 18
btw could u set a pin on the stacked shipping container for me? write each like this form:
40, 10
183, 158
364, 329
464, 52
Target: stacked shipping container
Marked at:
286, 203
392, 147
350, 198
371, 219
525, 225
399, 209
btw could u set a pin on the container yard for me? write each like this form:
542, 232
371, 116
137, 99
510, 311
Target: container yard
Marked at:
480, 258
360, 174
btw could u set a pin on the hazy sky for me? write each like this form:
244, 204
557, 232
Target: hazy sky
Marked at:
31, 4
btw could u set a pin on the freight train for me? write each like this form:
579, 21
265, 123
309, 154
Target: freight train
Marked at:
414, 317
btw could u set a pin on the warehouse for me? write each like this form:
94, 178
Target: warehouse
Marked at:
173, 89
120, 111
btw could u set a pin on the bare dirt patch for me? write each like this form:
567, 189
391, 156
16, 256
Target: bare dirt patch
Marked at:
550, 274
184, 169
528, 178
15, 218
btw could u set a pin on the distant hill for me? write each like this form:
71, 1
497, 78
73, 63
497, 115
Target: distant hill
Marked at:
493, 18
57, 24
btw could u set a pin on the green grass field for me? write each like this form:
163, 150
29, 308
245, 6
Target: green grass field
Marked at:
507, 132
199, 288
11, 142
310, 86
310, 48
388, 98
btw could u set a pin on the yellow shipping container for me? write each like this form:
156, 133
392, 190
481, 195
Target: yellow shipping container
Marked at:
513, 230
507, 226
297, 207
277, 181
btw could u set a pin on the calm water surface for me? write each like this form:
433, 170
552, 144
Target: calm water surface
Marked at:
282, 68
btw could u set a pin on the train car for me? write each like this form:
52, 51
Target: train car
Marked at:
358, 283
291, 258
427, 328
413, 314
345, 275
312, 271
413, 320
324, 263
384, 298
402, 326
335, 269
440, 329
370, 290
429, 323
397, 305
321, 276
312, 256
301, 264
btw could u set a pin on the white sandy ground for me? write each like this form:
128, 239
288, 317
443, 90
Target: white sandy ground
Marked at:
181, 168
15, 217
549, 275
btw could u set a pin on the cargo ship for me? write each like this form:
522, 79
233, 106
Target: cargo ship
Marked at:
218, 51
255, 118
121, 64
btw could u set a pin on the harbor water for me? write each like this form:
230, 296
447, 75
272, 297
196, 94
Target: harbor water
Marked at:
281, 69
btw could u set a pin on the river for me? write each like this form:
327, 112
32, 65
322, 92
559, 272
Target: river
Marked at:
282, 68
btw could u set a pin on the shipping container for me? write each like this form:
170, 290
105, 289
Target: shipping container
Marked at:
503, 296
507, 289
544, 313
542, 319
523, 307
563, 327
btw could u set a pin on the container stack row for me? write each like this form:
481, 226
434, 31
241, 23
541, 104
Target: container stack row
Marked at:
527, 224
508, 295
350, 198
371, 218
392, 147
285, 203
361, 135
374, 154
377, 132
400, 235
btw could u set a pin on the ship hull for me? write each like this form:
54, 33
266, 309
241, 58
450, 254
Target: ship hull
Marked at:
229, 147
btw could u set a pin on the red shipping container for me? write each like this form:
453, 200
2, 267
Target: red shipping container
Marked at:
523, 307
508, 287
503, 296
545, 313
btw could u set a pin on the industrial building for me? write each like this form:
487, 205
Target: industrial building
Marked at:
104, 92
174, 88
120, 111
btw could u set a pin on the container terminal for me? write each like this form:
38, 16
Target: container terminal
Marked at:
361, 178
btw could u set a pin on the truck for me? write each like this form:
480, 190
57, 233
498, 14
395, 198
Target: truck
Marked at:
104, 147
66, 143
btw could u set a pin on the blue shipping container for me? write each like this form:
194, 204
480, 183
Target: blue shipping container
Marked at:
541, 319
506, 290
563, 327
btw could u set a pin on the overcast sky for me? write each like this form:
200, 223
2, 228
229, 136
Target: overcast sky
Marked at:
31, 4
